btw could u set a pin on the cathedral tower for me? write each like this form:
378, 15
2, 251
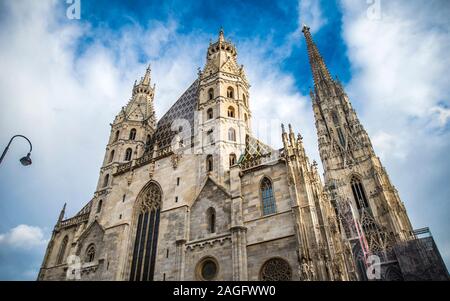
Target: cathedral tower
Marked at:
223, 108
132, 129
354, 175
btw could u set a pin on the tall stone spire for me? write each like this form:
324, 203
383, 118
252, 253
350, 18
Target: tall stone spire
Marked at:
342, 138
354, 175
319, 69
147, 77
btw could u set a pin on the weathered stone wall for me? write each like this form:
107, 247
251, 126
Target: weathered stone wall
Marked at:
59, 236
211, 197
272, 235
176, 196
172, 228
219, 249
55, 273
113, 250
252, 205
259, 253
185, 219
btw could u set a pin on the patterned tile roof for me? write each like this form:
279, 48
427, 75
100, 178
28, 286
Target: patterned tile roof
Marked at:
255, 148
183, 108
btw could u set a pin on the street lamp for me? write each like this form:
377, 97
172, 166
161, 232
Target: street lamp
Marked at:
24, 160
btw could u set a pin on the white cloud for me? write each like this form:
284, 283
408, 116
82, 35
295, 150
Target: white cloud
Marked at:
443, 115
400, 60
400, 88
63, 94
310, 14
23, 237
387, 145
270, 87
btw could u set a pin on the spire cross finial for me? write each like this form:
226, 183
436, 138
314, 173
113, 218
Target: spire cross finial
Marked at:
305, 27
319, 69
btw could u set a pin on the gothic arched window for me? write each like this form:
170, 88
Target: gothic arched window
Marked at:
211, 219
99, 206
231, 134
209, 113
232, 159
133, 134
128, 154
335, 118
106, 180
230, 92
245, 99
359, 193
230, 112
111, 156
209, 163
62, 250
268, 200
340, 136
147, 143
338, 128
210, 94
276, 269
147, 227
246, 119
90, 253
116, 137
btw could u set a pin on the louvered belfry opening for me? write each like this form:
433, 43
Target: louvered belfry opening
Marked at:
147, 226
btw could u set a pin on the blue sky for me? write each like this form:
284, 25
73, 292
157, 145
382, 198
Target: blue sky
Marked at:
62, 81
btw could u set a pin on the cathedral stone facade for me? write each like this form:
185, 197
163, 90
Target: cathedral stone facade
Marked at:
195, 196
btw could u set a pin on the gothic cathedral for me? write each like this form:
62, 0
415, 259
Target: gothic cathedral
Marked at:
195, 196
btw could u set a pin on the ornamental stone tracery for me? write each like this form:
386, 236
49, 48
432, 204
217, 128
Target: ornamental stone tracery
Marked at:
276, 269
150, 199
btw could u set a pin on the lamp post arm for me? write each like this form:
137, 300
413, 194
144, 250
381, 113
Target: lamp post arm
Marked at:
7, 147
29, 142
